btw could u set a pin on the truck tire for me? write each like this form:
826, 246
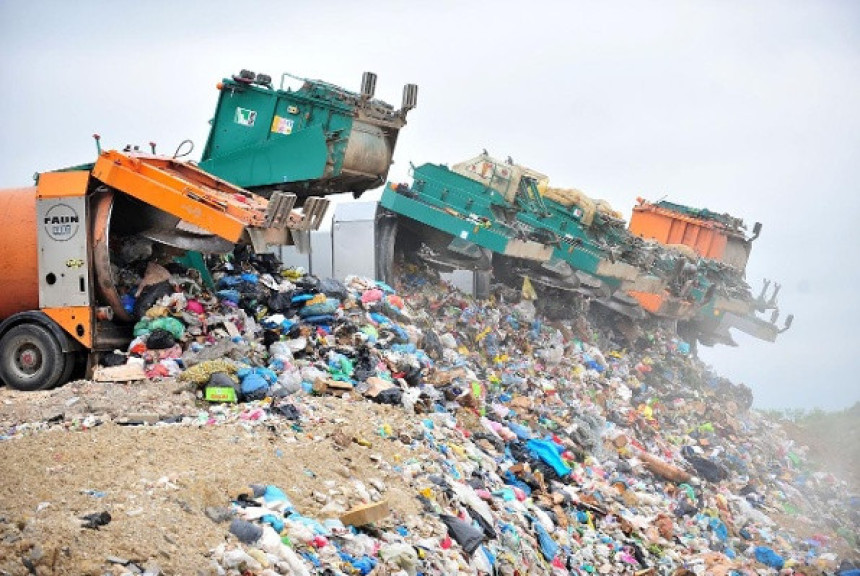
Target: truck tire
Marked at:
71, 361
386, 236
31, 358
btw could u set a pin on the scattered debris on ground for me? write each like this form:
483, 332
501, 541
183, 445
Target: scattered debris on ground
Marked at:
282, 424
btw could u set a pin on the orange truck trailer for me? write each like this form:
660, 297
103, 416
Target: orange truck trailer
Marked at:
716, 236
59, 301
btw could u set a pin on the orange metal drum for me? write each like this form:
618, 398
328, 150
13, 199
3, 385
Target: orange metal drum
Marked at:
19, 265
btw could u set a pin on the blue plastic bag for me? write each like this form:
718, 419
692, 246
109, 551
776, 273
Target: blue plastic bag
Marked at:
330, 306
719, 529
229, 295
550, 453
768, 557
253, 383
548, 546
522, 432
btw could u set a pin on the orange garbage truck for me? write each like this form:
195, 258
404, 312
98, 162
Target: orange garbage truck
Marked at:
60, 289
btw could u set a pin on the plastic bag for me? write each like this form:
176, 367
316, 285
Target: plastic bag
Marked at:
160, 339
768, 557
281, 351
149, 296
113, 359
328, 307
402, 555
465, 534
548, 546
254, 386
393, 396
549, 453
245, 531
280, 301
432, 345
290, 381
172, 325
333, 288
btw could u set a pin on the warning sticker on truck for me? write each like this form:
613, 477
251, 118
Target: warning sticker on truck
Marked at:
282, 125
245, 117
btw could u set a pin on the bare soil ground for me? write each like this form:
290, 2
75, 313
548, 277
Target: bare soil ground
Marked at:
157, 481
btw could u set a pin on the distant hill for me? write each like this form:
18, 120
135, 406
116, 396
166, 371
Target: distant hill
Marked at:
833, 439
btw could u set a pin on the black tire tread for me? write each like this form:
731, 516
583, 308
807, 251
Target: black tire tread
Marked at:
53, 359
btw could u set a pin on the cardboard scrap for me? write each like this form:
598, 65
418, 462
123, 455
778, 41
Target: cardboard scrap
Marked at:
334, 387
445, 377
365, 514
376, 385
521, 402
123, 373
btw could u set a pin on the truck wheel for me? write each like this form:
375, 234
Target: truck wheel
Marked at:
31, 358
71, 360
386, 236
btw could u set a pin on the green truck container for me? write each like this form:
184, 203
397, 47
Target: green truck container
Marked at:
316, 140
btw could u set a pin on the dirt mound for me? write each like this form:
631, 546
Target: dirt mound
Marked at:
158, 481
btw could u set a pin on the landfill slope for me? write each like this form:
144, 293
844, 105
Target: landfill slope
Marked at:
409, 431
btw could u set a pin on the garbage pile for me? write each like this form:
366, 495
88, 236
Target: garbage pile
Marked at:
556, 449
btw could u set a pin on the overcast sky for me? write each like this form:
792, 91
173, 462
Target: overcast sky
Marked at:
751, 108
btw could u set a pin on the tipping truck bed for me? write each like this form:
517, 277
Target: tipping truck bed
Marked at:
77, 218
